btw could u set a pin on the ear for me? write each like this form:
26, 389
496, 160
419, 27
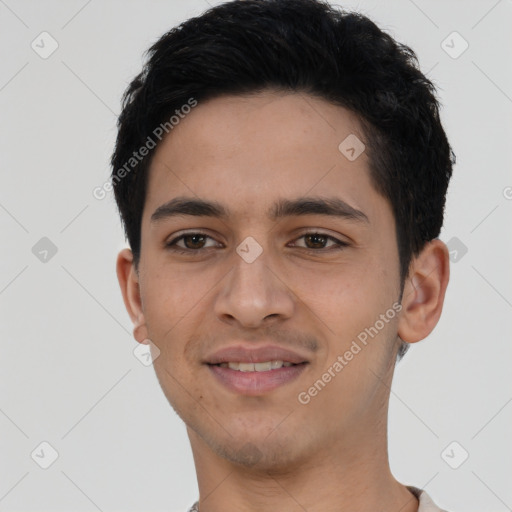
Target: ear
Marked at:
129, 282
424, 291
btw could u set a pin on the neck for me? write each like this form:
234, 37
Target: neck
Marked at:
351, 474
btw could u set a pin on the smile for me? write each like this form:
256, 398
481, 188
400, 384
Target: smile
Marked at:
255, 367
256, 379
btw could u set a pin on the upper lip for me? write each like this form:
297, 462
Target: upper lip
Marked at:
241, 354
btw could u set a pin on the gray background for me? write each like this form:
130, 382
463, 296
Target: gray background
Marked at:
68, 375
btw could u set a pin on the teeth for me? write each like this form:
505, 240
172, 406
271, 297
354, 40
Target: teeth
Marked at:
255, 367
244, 367
263, 367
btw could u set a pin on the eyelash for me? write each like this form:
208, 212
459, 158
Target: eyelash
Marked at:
173, 247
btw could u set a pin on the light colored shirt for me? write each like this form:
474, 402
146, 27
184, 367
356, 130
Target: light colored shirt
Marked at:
425, 501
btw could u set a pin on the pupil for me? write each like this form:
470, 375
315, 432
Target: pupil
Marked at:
195, 239
317, 239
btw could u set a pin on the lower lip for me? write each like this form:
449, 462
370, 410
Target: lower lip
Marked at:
256, 383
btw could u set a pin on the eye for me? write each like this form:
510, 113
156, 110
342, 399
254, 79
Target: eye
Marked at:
190, 242
316, 240
197, 242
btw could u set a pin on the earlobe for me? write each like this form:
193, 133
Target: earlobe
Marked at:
424, 292
129, 283
140, 332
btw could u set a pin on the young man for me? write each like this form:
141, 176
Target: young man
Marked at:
281, 173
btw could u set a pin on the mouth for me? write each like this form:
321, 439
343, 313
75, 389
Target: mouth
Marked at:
255, 369
264, 366
256, 379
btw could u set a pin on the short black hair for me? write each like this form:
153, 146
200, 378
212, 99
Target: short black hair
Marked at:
305, 46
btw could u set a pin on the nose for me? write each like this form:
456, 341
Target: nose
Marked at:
254, 295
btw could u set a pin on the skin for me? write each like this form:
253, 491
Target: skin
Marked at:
271, 452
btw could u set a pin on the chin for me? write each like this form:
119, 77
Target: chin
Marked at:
268, 450
268, 458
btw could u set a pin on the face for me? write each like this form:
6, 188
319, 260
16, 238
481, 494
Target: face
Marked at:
294, 251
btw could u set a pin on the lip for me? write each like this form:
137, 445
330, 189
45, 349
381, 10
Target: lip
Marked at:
243, 354
255, 383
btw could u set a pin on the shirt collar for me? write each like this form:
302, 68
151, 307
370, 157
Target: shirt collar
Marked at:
425, 501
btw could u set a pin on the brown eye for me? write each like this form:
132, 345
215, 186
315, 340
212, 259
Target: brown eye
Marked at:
315, 240
191, 243
318, 241
195, 241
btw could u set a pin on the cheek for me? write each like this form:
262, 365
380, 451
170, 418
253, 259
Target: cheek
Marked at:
172, 293
344, 306
343, 296
177, 303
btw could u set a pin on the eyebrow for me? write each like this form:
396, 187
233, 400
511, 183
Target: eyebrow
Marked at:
331, 206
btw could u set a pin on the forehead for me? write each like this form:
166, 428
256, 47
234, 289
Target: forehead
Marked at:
246, 152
